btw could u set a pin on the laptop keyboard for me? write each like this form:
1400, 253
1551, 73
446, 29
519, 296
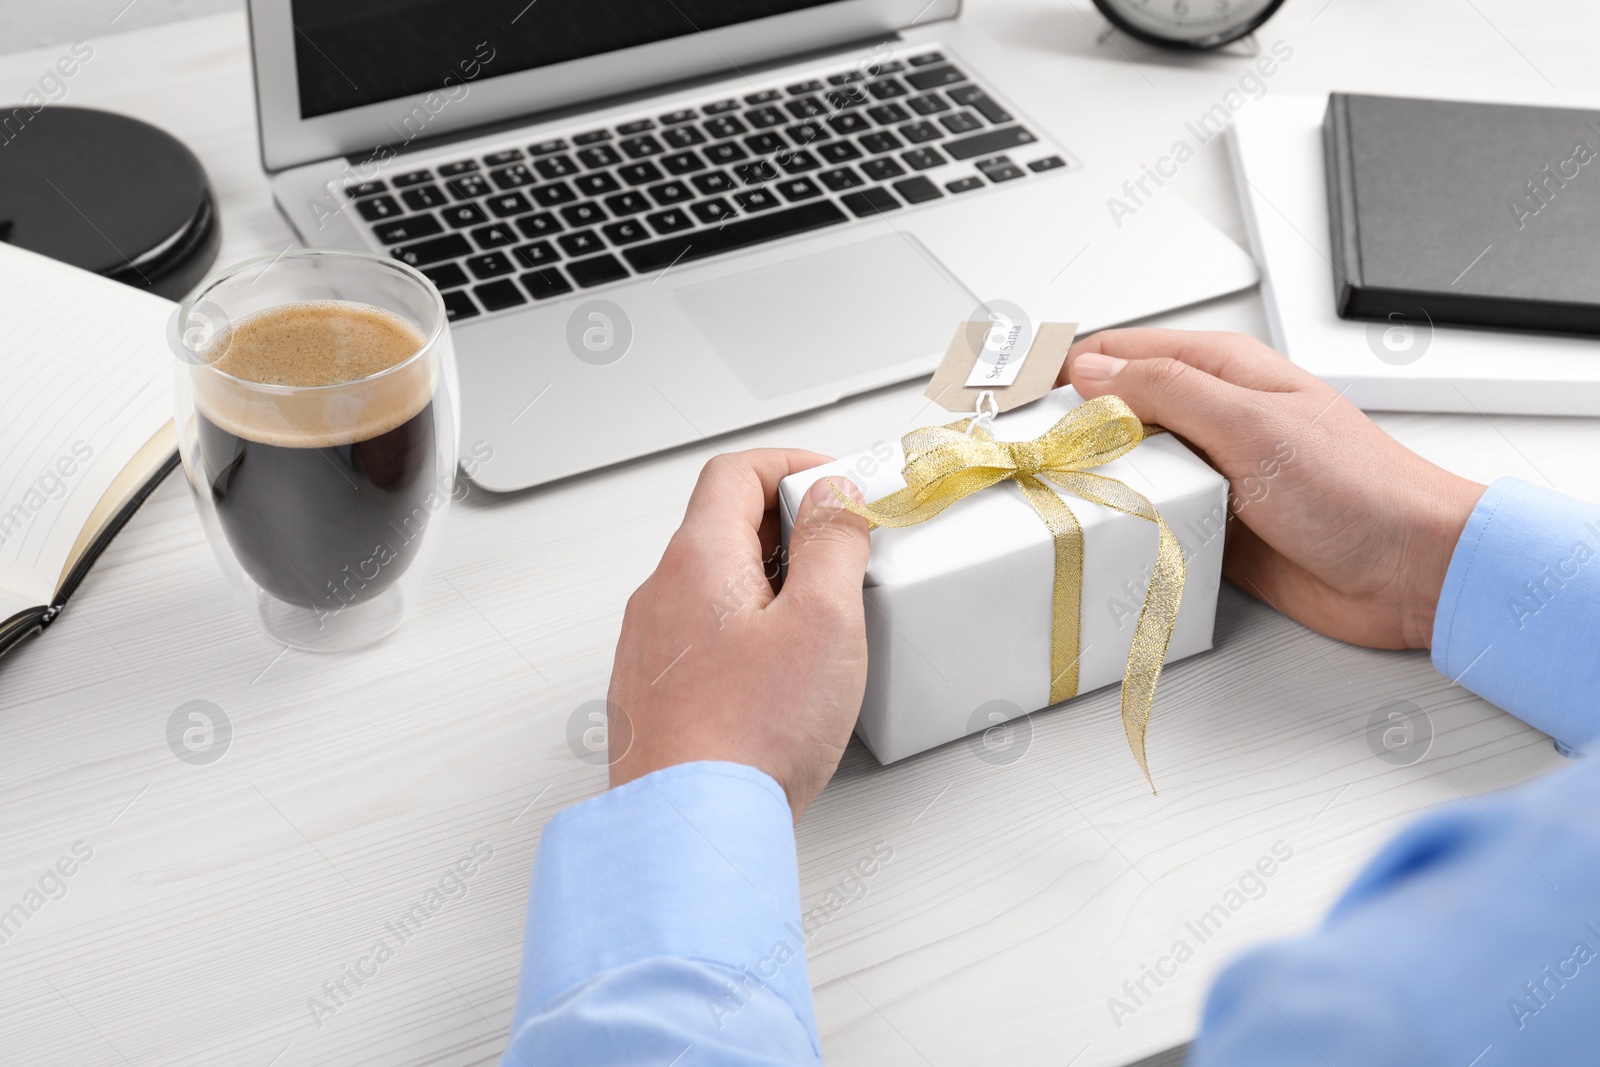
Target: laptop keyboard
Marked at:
528, 223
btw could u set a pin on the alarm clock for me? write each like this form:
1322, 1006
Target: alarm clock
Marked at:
1187, 23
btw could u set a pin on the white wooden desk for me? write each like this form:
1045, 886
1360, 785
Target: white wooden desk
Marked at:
1020, 896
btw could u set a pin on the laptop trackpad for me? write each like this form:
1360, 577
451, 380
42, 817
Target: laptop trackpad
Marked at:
830, 316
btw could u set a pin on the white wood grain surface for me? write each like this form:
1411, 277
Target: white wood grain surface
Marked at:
1020, 896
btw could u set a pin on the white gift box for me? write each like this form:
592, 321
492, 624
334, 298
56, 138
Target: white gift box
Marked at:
959, 607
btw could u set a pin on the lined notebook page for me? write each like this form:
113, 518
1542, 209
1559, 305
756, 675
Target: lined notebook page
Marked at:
85, 381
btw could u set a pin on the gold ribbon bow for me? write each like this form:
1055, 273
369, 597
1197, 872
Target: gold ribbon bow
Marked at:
946, 463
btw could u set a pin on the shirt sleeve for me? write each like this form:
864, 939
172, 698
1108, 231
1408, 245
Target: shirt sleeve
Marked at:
1519, 617
1472, 939
662, 922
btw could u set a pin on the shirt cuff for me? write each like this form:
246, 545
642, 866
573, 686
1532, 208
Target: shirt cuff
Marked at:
1518, 621
695, 861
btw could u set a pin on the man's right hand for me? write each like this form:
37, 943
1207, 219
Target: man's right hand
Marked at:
1341, 527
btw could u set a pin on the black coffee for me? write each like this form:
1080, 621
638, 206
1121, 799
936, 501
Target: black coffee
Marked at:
324, 499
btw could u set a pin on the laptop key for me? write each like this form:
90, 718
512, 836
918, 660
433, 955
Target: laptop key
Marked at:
806, 107
459, 215
580, 243
989, 142
378, 207
468, 188
640, 173
585, 214
841, 179
881, 141
715, 182
508, 204
596, 184
887, 89
445, 275
928, 105
802, 88
537, 254
720, 106
961, 122
934, 77
671, 221
434, 250
450, 170
552, 167
359, 189
964, 185
924, 158
756, 199
392, 233
627, 129
490, 265
543, 284
869, 202
538, 225
499, 295
500, 159
839, 152
765, 96
625, 232
799, 162
597, 271
1047, 163
673, 118
553, 194
629, 203
974, 97
741, 233
712, 211
755, 173
682, 163
846, 98
808, 132
845, 78
888, 114
1002, 170
799, 189
918, 189
640, 147
545, 148
412, 177
725, 153
511, 177
849, 123
765, 144
458, 305
424, 197
592, 137
683, 137
921, 132
765, 117
926, 59
881, 170
668, 193
496, 236
724, 126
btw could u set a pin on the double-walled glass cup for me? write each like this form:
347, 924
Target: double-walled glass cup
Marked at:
321, 501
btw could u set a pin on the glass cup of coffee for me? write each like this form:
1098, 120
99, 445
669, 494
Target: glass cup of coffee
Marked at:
316, 402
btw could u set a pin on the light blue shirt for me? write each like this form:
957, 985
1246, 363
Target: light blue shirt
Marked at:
664, 923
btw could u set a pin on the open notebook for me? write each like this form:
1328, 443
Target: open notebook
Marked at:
85, 426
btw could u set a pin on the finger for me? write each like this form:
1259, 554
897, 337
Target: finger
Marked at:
1191, 403
1232, 357
827, 548
737, 489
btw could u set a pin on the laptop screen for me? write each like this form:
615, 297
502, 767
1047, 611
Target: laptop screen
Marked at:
354, 52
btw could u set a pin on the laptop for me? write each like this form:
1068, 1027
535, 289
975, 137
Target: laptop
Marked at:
657, 221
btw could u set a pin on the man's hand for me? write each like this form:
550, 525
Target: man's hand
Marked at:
713, 665
1343, 528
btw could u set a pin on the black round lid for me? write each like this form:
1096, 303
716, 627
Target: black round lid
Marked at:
109, 194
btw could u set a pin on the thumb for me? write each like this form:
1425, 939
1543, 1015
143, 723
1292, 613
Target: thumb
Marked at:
1195, 405
828, 547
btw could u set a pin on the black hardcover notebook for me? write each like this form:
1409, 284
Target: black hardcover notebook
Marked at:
1464, 213
85, 426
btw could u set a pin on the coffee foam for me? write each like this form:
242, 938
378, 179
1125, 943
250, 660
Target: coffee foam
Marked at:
334, 355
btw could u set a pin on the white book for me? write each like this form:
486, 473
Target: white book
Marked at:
85, 426
1276, 144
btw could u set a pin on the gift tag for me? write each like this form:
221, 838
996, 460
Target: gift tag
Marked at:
1002, 355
